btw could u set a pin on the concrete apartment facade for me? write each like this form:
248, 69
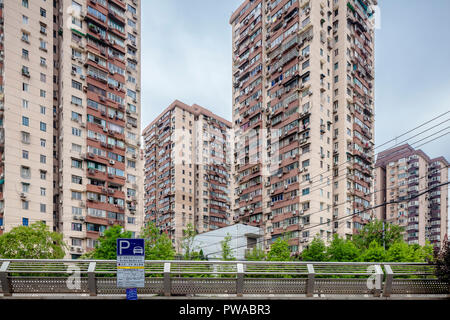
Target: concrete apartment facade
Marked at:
303, 113
72, 117
402, 173
187, 170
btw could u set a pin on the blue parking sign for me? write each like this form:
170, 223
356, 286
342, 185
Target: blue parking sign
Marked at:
130, 263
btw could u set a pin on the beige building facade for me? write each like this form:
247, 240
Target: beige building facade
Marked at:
72, 117
303, 112
401, 174
187, 171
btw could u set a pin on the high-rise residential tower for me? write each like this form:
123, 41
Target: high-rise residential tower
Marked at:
303, 112
187, 170
71, 117
401, 173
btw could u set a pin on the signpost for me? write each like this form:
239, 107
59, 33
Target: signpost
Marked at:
130, 265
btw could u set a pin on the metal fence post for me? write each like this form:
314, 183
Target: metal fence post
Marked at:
240, 279
310, 282
92, 282
378, 280
167, 280
388, 284
6, 286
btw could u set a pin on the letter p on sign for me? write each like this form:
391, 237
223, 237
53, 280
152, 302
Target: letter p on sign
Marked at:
123, 245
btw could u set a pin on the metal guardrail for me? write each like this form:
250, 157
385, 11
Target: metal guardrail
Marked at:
98, 277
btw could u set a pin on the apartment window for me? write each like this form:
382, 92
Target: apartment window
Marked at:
43, 62
77, 85
77, 163
77, 101
25, 137
43, 191
131, 164
43, 143
76, 54
25, 187
43, 45
43, 126
25, 3
76, 116
43, 159
76, 179
42, 93
25, 86
76, 132
43, 174
25, 121
24, 19
24, 154
131, 9
43, 77
76, 147
43, 12
25, 37
76, 226
76, 195
42, 108
25, 205
25, 54
43, 207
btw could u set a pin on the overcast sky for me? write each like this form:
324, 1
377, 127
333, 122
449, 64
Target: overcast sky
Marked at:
186, 55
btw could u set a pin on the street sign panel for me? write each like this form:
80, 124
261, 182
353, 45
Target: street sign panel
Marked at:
130, 263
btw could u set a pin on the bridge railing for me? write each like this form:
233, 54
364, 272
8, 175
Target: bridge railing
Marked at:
98, 277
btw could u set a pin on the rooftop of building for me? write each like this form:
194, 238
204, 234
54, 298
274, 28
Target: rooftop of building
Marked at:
194, 109
402, 151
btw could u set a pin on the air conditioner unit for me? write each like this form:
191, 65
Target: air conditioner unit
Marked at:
23, 195
112, 162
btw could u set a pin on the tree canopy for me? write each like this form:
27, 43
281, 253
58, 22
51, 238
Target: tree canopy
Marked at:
158, 246
33, 242
227, 253
373, 231
279, 251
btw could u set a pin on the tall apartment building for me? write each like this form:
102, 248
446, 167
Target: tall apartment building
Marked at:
71, 117
402, 173
303, 112
187, 170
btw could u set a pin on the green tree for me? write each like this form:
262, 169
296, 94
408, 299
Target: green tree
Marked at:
343, 250
157, 246
442, 260
279, 251
33, 242
316, 251
256, 254
373, 231
107, 246
189, 251
227, 254
375, 253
